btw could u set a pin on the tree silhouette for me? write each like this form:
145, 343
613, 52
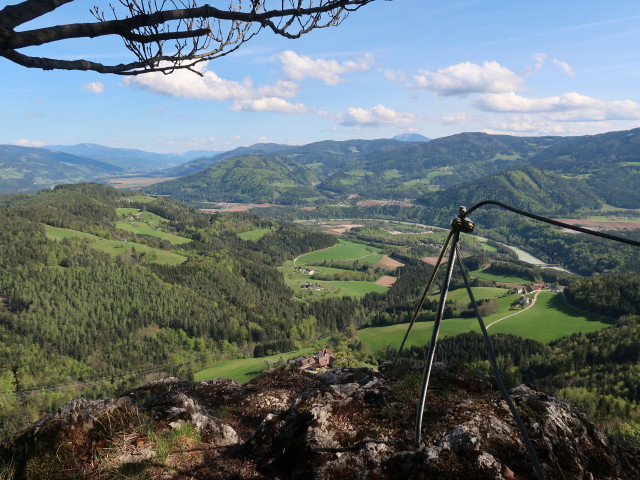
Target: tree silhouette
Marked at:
164, 35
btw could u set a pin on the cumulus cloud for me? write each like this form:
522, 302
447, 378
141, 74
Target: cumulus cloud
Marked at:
23, 142
269, 104
456, 119
528, 125
209, 86
183, 83
467, 77
538, 60
376, 116
94, 87
567, 107
298, 67
564, 66
395, 76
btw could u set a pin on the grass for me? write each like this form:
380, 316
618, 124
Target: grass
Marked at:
488, 248
497, 277
244, 369
390, 174
140, 228
378, 337
133, 181
549, 319
116, 247
349, 181
254, 234
343, 251
479, 292
352, 288
142, 198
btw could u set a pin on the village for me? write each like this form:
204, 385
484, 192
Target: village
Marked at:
323, 359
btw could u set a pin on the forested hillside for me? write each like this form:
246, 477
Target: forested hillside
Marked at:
248, 178
383, 169
529, 188
76, 310
27, 169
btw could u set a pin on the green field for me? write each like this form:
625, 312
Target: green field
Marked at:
549, 319
343, 251
488, 248
142, 198
116, 247
352, 289
479, 292
254, 234
244, 369
141, 228
497, 277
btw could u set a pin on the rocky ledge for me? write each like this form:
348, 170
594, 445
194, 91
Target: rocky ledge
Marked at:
342, 424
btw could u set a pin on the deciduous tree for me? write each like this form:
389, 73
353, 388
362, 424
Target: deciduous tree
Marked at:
164, 35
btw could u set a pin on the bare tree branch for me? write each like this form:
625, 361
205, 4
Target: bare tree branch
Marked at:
198, 33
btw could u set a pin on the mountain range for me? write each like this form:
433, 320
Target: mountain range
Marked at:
390, 168
604, 168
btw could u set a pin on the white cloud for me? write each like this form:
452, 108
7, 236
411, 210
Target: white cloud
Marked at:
456, 119
530, 125
538, 59
564, 66
263, 140
282, 88
567, 107
395, 76
94, 87
269, 104
209, 86
23, 142
467, 77
183, 83
376, 116
298, 67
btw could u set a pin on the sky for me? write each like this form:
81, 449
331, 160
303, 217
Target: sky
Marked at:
430, 67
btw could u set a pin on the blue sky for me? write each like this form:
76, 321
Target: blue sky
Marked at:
434, 68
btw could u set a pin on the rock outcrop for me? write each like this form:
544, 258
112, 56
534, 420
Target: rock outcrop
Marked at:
343, 424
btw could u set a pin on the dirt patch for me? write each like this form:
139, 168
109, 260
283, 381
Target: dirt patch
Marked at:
389, 263
235, 207
430, 260
308, 208
342, 228
376, 203
386, 281
602, 225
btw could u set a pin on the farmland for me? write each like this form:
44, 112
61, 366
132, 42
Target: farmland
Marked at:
344, 257
549, 319
343, 251
117, 247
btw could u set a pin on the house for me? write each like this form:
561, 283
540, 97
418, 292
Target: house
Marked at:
524, 300
309, 271
324, 358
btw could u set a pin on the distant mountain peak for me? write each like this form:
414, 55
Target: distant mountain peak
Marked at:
411, 137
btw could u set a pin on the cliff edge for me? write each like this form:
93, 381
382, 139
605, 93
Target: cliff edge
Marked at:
341, 424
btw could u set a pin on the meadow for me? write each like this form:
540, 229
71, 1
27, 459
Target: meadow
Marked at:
254, 234
548, 319
343, 251
490, 275
244, 369
116, 247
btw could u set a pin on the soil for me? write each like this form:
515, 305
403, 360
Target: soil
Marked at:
386, 281
389, 263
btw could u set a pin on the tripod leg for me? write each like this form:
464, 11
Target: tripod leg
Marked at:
434, 337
